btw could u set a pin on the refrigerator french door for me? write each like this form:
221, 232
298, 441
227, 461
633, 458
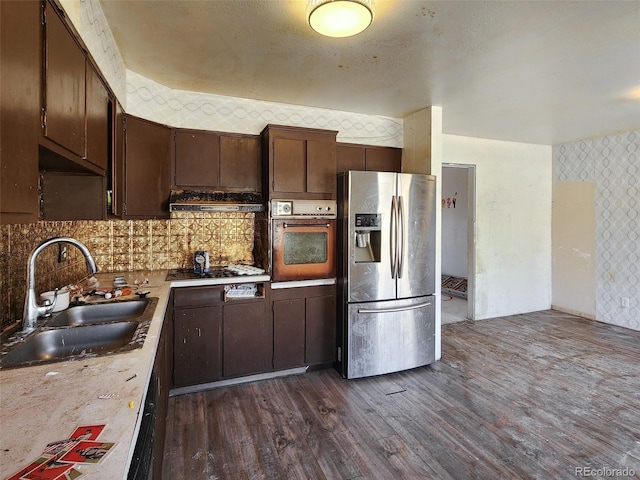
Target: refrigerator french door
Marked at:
386, 273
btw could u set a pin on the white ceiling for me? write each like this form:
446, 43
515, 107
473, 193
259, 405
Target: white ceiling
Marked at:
546, 72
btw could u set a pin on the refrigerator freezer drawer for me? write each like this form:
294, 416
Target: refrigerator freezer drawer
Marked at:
392, 336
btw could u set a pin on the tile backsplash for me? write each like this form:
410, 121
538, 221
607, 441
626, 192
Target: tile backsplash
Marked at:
117, 246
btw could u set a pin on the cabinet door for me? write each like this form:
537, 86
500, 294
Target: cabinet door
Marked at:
383, 159
97, 118
288, 333
349, 157
20, 52
320, 334
196, 159
64, 86
70, 196
246, 339
289, 165
117, 167
240, 163
147, 169
321, 167
196, 345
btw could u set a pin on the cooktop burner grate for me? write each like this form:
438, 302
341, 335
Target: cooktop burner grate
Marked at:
188, 274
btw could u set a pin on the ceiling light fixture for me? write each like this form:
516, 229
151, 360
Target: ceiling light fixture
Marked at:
340, 18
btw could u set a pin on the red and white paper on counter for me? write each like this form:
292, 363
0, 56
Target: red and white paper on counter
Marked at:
59, 457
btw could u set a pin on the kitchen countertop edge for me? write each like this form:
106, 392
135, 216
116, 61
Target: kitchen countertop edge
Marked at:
45, 403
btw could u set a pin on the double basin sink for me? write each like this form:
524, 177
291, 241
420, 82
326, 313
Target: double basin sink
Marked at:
84, 331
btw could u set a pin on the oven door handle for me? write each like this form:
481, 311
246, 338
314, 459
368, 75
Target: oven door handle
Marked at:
302, 225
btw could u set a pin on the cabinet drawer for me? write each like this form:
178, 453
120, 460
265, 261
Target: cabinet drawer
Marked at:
197, 296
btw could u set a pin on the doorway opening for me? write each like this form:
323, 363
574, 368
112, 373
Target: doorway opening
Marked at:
458, 242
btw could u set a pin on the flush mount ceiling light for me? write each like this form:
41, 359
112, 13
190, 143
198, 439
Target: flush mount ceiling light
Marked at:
340, 18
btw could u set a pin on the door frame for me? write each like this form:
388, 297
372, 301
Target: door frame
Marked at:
471, 236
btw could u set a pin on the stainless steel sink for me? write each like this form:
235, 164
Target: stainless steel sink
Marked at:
66, 342
99, 313
83, 331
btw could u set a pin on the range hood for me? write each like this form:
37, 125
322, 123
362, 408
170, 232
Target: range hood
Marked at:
209, 201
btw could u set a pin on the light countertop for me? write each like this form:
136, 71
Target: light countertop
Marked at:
45, 403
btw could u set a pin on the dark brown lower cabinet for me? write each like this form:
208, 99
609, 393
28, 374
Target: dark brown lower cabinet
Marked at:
246, 339
288, 333
162, 369
148, 454
197, 321
320, 331
304, 326
196, 345
214, 339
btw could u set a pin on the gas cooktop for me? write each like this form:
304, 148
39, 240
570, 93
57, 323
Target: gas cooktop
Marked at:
214, 272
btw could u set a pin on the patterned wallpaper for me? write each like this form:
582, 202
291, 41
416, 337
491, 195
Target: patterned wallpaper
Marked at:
90, 22
613, 163
179, 108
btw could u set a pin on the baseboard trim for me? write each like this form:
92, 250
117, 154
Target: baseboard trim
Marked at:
573, 312
235, 381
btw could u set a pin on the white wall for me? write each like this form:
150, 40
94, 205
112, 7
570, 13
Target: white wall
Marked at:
422, 153
513, 229
455, 214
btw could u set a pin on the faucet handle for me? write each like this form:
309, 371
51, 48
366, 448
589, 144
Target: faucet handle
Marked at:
48, 308
48, 305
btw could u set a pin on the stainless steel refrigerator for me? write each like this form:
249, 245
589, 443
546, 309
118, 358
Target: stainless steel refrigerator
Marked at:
386, 272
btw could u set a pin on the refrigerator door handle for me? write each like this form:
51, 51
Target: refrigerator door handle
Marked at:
393, 238
401, 241
394, 309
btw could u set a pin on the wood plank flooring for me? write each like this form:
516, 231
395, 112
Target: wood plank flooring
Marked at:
527, 396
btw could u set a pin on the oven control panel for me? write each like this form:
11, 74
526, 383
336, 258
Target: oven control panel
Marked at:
304, 208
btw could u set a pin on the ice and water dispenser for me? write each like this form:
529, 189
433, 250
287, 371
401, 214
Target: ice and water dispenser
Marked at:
367, 237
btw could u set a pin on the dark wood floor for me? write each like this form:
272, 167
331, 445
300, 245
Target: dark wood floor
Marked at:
526, 396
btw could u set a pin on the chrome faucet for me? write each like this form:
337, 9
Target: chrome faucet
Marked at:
31, 308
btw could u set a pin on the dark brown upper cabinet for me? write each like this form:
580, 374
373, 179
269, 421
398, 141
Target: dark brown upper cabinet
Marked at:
75, 102
197, 159
64, 95
368, 157
116, 170
97, 119
55, 120
240, 163
299, 162
219, 161
350, 157
147, 169
20, 73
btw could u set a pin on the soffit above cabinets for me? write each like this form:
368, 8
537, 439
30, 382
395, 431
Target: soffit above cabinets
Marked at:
535, 72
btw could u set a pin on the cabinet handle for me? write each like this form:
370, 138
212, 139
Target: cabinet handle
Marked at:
198, 331
184, 340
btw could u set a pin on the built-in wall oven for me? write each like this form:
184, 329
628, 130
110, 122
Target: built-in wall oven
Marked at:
303, 239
